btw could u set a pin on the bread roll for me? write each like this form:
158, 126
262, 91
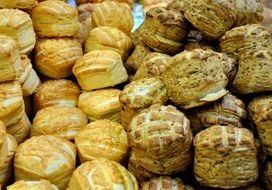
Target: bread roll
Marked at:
99, 69
268, 175
101, 104
103, 174
108, 38
18, 25
55, 19
56, 92
55, 57
18, 4
163, 182
30, 185
225, 157
45, 157
161, 139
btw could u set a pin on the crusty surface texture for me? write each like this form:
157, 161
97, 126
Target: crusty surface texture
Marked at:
18, 4
163, 183
30, 185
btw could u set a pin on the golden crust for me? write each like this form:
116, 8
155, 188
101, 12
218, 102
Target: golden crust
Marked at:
18, 4
59, 120
29, 185
225, 157
102, 173
163, 182
101, 104
45, 157
179, 5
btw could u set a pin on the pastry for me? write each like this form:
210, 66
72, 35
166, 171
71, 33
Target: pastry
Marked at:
8, 146
161, 139
11, 102
152, 66
45, 157
18, 4
59, 120
114, 14
55, 57
194, 78
260, 110
79, 2
243, 39
18, 25
102, 174
85, 11
99, 69
163, 30
179, 5
254, 72
102, 139
163, 182
225, 157
30, 185
268, 175
108, 38
10, 64
101, 104
212, 18
139, 95
56, 92
267, 20
55, 19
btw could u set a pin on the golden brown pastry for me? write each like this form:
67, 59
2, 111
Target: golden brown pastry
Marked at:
114, 14
179, 5
55, 57
225, 157
212, 18
163, 30
55, 19
194, 78
11, 102
56, 92
152, 66
99, 69
102, 139
268, 175
79, 2
8, 146
102, 174
45, 157
139, 95
260, 110
18, 4
32, 185
163, 182
161, 139
108, 38
101, 104
59, 120
254, 72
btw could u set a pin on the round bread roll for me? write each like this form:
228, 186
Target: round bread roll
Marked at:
163, 182
260, 110
139, 95
268, 175
163, 30
18, 4
102, 139
225, 157
32, 185
153, 66
59, 120
56, 92
103, 174
194, 78
45, 157
161, 139
99, 69
108, 38
55, 57
8, 146
54, 18
18, 25
212, 18
101, 104
114, 14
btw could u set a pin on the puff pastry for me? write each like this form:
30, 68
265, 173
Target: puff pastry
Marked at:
139, 95
101, 104
30, 185
99, 69
161, 139
55, 57
163, 182
268, 175
56, 92
45, 157
55, 19
108, 38
225, 157
18, 25
102, 139
103, 174
18, 4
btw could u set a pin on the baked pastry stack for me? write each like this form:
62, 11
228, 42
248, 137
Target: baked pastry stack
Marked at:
29, 185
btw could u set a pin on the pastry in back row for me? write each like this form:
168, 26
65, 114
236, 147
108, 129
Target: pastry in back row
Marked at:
18, 4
